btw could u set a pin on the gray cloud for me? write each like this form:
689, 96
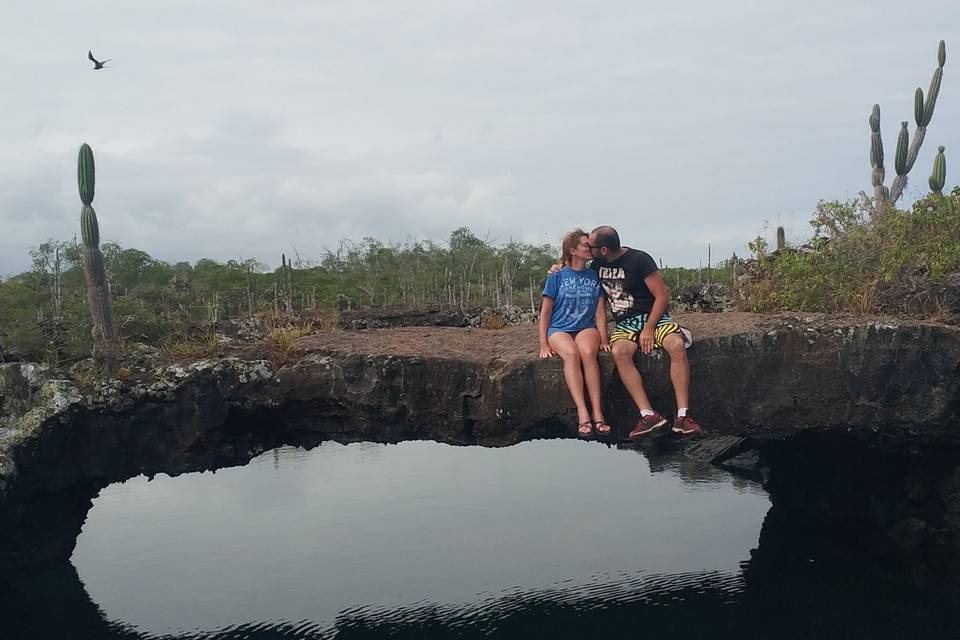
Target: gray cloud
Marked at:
240, 130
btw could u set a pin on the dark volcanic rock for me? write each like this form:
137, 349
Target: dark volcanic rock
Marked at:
882, 495
358, 319
9, 356
763, 389
706, 298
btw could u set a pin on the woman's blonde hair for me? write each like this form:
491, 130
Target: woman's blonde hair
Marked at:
569, 243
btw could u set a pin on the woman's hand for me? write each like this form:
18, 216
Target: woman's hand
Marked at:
546, 351
605, 346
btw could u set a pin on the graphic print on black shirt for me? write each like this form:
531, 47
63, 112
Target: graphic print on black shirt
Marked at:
623, 283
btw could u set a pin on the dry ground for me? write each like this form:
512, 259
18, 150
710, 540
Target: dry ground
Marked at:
521, 343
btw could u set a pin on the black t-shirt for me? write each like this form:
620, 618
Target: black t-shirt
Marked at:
623, 284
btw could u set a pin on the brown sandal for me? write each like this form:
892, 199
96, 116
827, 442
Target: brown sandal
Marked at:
585, 429
601, 428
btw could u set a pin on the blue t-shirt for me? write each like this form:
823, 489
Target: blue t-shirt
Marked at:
575, 295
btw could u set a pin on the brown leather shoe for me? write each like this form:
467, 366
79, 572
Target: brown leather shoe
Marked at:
686, 426
648, 425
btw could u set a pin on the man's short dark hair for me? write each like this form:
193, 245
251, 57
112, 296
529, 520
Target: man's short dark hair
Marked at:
606, 236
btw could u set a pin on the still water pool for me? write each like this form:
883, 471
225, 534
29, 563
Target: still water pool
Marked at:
552, 538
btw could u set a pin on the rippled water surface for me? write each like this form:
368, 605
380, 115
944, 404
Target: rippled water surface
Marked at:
543, 539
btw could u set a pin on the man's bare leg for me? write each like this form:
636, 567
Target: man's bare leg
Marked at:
679, 368
623, 353
684, 425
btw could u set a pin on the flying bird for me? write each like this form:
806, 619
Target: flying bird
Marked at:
96, 63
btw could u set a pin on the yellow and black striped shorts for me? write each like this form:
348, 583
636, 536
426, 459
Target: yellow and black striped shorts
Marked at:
630, 328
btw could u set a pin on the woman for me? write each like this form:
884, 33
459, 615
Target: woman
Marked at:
573, 325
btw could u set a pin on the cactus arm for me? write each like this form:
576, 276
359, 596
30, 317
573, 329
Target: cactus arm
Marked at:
85, 174
932, 94
934, 90
876, 157
876, 143
900, 162
896, 189
939, 176
89, 229
918, 107
903, 141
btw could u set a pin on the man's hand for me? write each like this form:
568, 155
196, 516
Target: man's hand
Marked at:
646, 340
546, 351
555, 268
605, 346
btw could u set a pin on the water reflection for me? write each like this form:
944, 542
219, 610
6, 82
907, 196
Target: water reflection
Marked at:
557, 539
795, 601
317, 532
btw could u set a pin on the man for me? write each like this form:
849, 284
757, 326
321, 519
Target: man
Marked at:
638, 300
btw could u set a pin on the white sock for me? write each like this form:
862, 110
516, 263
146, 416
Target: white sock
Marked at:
647, 412
682, 412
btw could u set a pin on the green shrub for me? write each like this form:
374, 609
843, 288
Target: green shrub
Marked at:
896, 261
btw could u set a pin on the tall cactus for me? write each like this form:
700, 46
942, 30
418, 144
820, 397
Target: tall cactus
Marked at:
939, 175
94, 270
781, 239
907, 151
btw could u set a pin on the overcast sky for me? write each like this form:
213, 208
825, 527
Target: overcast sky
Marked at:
243, 129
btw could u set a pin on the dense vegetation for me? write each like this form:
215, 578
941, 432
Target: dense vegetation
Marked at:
861, 260
44, 314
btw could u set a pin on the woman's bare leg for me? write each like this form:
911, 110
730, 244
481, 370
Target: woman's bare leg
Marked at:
588, 343
563, 344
